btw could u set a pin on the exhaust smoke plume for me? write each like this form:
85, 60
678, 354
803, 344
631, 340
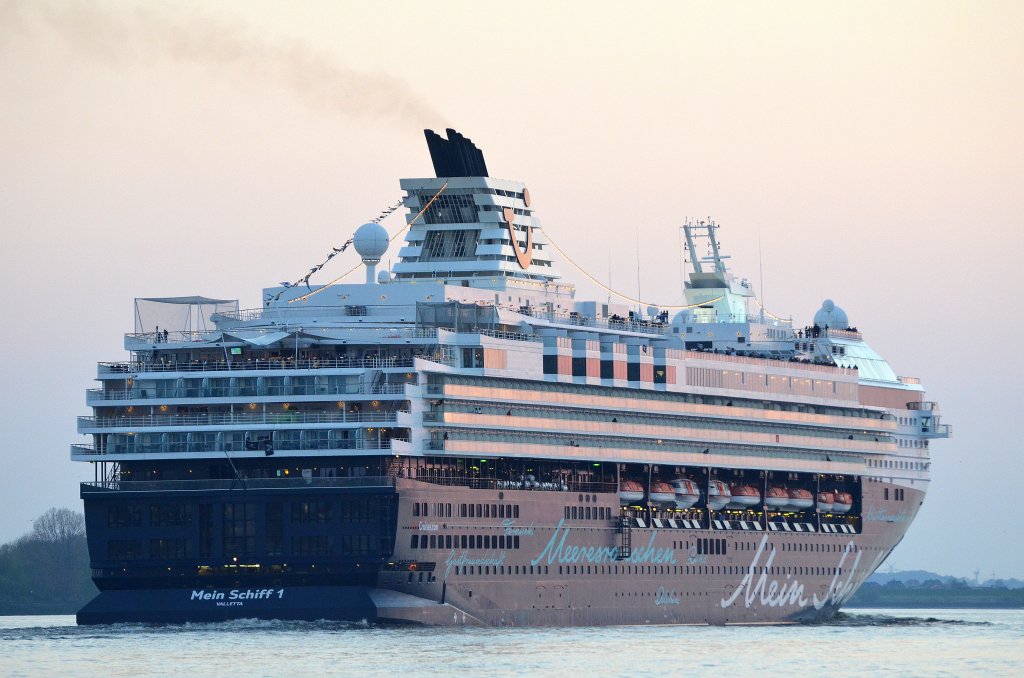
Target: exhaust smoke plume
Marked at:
147, 35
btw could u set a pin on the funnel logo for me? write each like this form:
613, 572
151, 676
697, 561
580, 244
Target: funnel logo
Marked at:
524, 258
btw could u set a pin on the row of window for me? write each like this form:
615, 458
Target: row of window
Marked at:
317, 545
442, 510
898, 493
588, 513
896, 463
708, 547
647, 570
484, 542
181, 515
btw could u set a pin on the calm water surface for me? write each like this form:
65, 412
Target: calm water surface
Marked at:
861, 642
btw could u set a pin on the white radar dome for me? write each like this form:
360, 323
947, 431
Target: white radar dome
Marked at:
371, 241
831, 315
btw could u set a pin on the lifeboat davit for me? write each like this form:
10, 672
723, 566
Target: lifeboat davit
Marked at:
630, 492
662, 493
800, 500
718, 495
776, 498
686, 493
843, 502
825, 501
744, 496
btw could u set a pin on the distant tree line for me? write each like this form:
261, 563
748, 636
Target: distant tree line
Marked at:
936, 593
47, 570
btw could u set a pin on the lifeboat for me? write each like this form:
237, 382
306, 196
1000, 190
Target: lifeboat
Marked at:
800, 500
843, 502
744, 496
825, 501
686, 493
718, 495
776, 498
630, 492
662, 493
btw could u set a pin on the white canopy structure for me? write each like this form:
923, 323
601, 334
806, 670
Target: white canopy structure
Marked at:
179, 314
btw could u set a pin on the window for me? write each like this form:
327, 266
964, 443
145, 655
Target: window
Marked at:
317, 545
165, 549
359, 510
170, 515
124, 515
311, 512
124, 549
274, 528
358, 544
239, 538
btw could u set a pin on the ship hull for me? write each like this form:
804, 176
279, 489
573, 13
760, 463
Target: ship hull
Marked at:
537, 569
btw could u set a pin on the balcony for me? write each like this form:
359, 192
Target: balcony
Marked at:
937, 431
81, 452
249, 483
88, 424
282, 364
95, 396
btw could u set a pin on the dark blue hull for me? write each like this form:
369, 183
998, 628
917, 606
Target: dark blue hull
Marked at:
175, 606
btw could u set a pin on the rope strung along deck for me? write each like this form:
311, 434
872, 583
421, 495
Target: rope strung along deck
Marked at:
392, 239
619, 294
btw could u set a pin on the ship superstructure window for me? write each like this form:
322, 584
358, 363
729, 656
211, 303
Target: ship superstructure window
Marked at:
318, 545
124, 549
240, 529
311, 512
170, 515
442, 245
357, 544
170, 548
274, 529
124, 515
449, 208
361, 510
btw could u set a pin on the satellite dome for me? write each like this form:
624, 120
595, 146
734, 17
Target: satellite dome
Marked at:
831, 315
371, 241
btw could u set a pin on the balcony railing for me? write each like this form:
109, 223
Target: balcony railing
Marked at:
154, 338
577, 320
278, 445
240, 485
559, 485
254, 364
235, 419
95, 395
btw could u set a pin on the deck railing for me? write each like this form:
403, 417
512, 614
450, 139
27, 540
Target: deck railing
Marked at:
95, 395
364, 482
235, 419
254, 365
278, 445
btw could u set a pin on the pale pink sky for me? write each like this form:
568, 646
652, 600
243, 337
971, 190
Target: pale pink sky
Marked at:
217, 147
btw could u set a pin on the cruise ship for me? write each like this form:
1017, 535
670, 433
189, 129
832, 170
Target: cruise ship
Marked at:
459, 440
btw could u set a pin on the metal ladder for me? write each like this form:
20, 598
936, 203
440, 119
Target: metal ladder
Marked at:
625, 531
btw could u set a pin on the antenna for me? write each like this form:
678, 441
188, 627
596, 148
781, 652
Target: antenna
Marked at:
682, 265
638, 295
609, 274
760, 273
